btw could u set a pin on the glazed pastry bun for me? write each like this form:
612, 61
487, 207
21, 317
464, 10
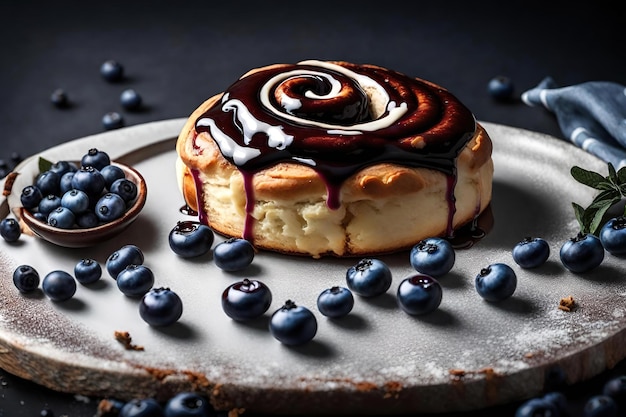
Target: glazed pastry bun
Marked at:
332, 158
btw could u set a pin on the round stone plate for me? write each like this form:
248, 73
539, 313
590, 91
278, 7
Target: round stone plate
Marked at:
466, 355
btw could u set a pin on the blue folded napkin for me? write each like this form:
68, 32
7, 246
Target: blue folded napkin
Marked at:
592, 115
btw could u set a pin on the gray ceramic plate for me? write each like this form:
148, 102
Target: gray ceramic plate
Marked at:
468, 354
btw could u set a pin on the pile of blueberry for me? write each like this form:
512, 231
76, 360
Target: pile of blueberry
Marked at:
184, 404
158, 307
113, 72
67, 196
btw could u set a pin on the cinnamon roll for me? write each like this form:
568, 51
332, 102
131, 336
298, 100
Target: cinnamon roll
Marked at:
334, 158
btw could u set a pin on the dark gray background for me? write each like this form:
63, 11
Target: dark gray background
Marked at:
177, 54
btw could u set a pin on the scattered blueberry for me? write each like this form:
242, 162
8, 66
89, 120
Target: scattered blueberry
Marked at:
59, 98
292, 324
87, 271
125, 188
600, 406
188, 404
335, 302
130, 99
582, 253
500, 88
110, 174
160, 306
135, 280
10, 229
75, 200
48, 204
616, 389
95, 158
61, 217
145, 407
59, 285
26, 278
233, 254
112, 120
433, 256
110, 207
613, 236
190, 239
246, 300
558, 399
121, 258
531, 252
537, 407
496, 282
419, 294
89, 180
369, 277
112, 70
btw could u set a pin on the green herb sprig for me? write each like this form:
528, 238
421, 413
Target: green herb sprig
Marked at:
612, 188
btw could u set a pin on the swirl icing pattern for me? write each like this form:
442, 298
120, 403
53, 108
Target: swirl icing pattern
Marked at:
337, 118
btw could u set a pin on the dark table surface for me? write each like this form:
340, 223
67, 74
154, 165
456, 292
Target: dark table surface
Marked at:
177, 54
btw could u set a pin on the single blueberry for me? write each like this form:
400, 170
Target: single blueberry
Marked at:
75, 200
335, 302
582, 253
419, 294
500, 88
558, 399
112, 120
61, 217
130, 99
30, 197
10, 229
613, 236
433, 256
601, 406
233, 254
110, 174
616, 389
112, 70
87, 271
160, 307
110, 207
369, 277
135, 280
293, 324
63, 167
66, 182
48, 182
48, 204
122, 257
95, 158
89, 180
246, 300
125, 188
531, 252
59, 285
537, 407
144, 407
188, 404
60, 98
190, 239
26, 278
496, 282
87, 220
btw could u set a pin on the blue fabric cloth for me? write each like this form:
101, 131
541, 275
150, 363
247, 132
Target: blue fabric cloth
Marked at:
592, 115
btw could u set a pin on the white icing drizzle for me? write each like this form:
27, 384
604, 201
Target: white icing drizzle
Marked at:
239, 154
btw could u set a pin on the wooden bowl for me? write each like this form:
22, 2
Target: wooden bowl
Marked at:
84, 237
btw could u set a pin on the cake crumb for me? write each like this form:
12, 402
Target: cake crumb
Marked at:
236, 412
8, 183
567, 304
126, 341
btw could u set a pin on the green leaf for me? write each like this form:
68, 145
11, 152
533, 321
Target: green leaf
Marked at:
44, 164
586, 177
598, 209
606, 195
621, 175
613, 175
579, 211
